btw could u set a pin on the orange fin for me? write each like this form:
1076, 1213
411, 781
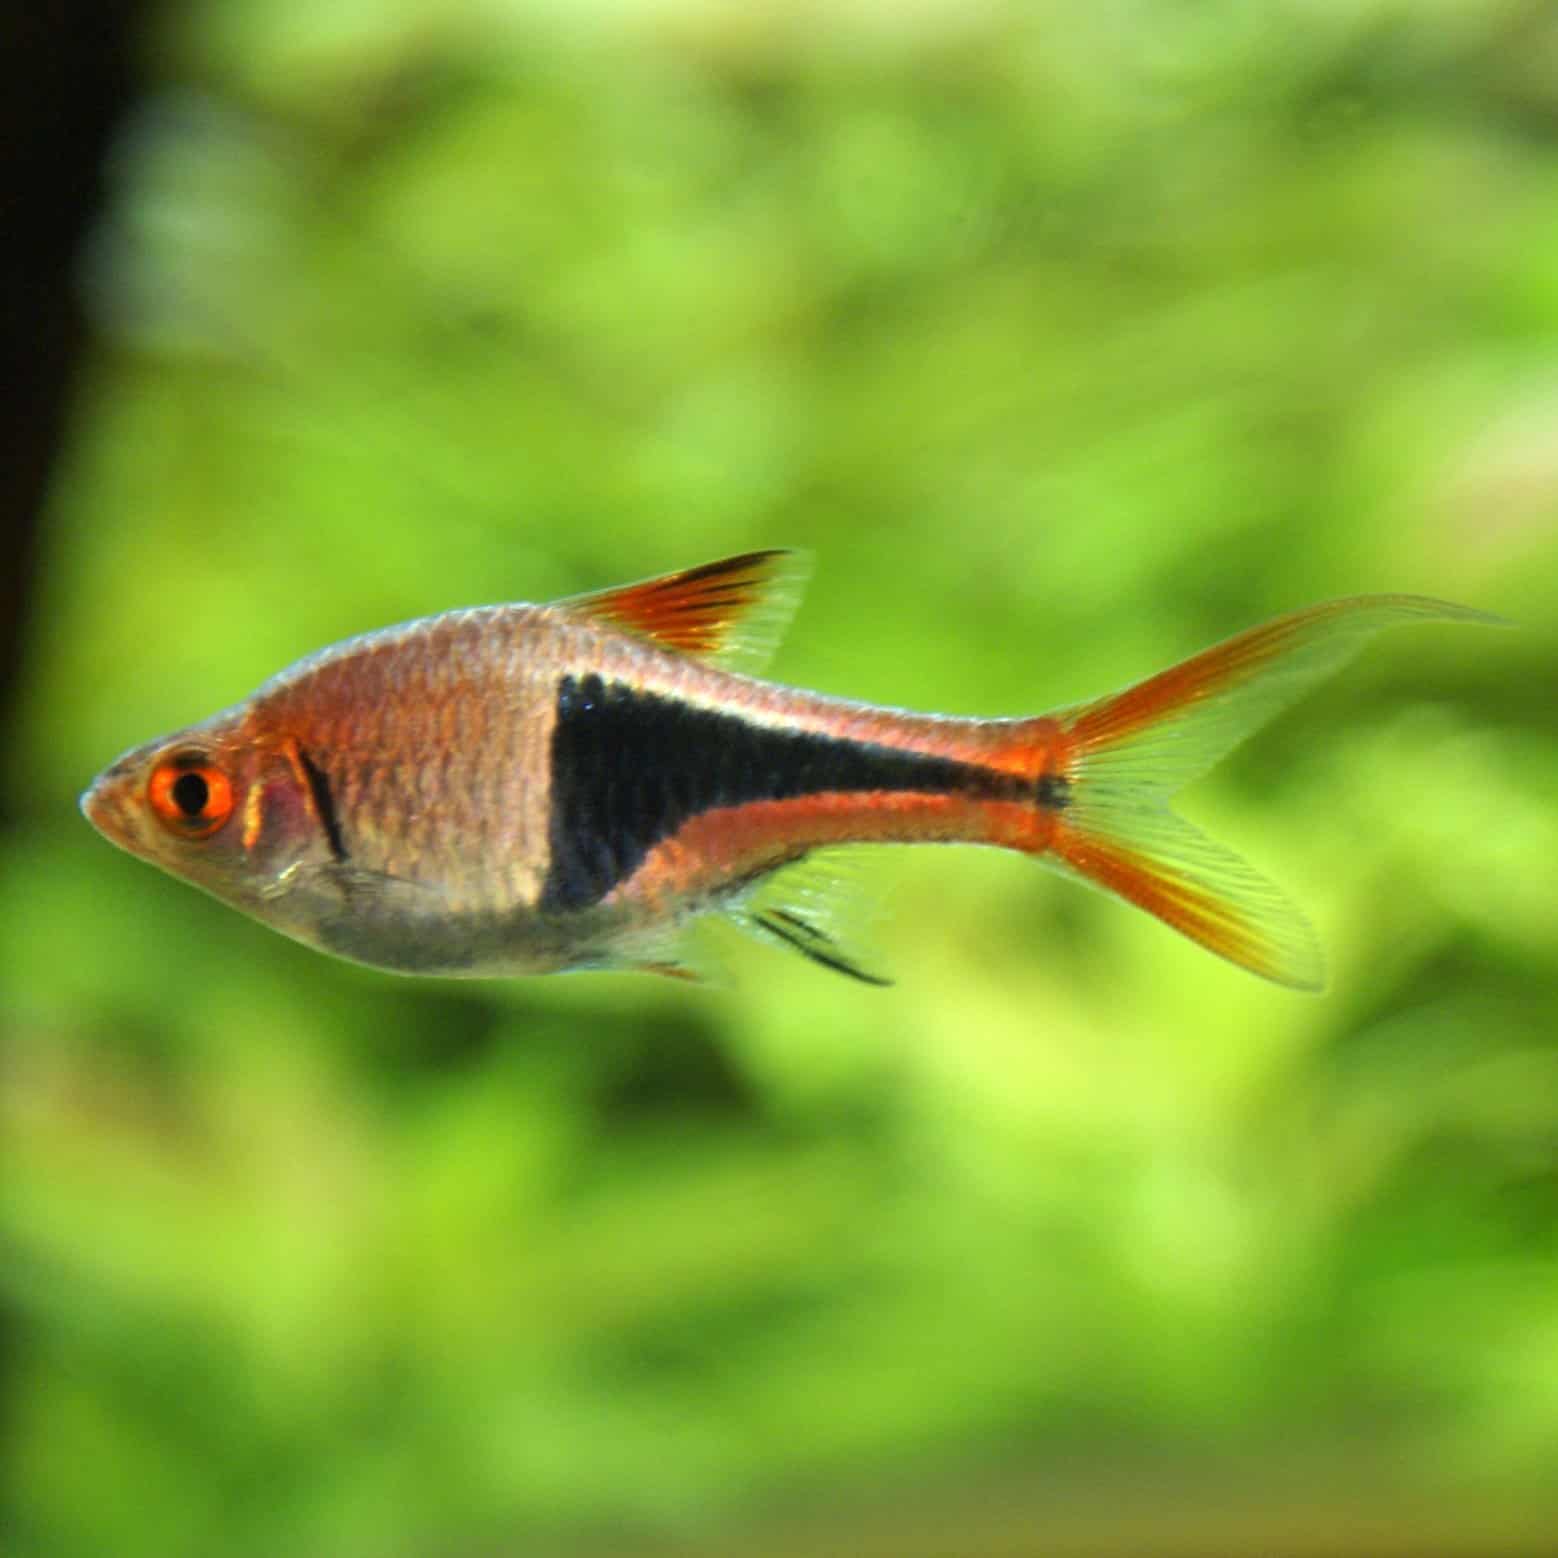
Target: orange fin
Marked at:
1125, 756
732, 613
1159, 862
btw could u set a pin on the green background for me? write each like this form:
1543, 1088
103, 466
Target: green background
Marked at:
1069, 338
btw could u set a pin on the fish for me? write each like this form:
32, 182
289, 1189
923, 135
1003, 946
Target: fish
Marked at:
524, 789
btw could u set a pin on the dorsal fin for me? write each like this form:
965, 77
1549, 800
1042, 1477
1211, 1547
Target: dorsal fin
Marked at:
731, 613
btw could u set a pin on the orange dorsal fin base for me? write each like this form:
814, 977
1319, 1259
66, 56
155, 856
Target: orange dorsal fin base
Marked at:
731, 613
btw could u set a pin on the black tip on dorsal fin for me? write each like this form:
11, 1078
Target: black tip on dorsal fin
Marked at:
731, 613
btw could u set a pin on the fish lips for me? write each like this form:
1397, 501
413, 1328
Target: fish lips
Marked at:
103, 805
108, 803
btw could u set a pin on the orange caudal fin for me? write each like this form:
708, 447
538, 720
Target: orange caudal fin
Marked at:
1126, 755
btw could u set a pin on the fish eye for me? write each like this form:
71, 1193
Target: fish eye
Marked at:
190, 795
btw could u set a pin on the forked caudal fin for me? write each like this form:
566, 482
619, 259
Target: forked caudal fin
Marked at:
1126, 756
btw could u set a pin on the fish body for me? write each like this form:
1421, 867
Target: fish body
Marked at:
522, 789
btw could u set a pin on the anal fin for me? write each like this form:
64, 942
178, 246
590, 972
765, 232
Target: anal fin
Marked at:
812, 942
814, 906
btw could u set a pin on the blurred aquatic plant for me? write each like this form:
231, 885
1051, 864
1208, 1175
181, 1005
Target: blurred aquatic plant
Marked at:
1070, 340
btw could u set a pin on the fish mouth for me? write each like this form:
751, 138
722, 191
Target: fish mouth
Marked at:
95, 806
102, 804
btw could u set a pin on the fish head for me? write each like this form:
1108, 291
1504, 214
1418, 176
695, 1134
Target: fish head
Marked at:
223, 805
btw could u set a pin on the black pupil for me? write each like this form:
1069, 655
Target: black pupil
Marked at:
190, 794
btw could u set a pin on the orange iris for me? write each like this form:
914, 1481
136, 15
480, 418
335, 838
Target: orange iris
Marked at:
191, 797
